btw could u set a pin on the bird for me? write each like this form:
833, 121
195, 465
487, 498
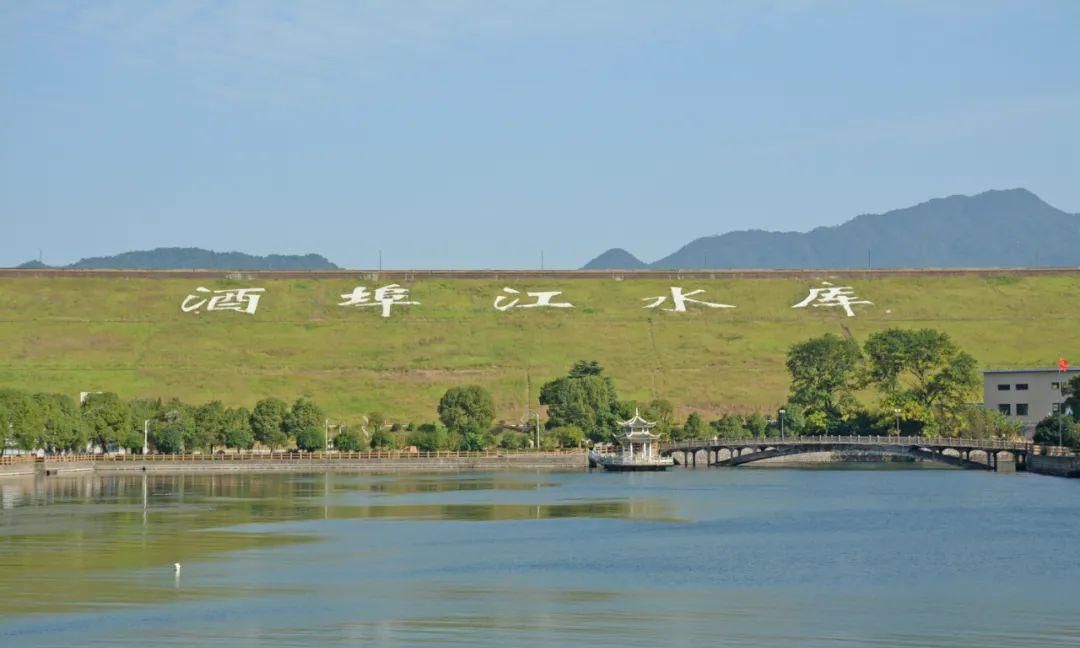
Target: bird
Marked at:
176, 567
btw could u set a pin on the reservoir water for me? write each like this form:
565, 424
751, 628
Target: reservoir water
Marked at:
740, 557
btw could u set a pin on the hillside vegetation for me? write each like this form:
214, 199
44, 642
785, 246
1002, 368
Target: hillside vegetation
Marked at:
128, 335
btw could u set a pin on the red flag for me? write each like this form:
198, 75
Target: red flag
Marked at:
1063, 364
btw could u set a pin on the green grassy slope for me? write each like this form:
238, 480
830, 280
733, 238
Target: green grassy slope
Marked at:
128, 335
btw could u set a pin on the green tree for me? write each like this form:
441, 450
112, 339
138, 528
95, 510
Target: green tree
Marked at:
348, 441
467, 410
695, 427
985, 423
925, 375
172, 426
794, 420
729, 426
825, 374
376, 421
475, 440
268, 422
585, 398
429, 437
311, 438
210, 424
167, 435
514, 440
238, 432
305, 415
567, 436
756, 424
141, 411
107, 418
382, 440
24, 419
62, 424
661, 412
1058, 426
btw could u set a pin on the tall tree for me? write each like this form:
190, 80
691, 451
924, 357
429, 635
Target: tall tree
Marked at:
173, 426
826, 372
584, 398
62, 424
304, 416
24, 422
210, 424
925, 375
695, 427
268, 422
467, 409
238, 433
107, 419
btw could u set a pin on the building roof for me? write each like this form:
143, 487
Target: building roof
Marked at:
637, 422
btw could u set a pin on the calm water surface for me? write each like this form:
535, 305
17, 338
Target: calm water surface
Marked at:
766, 557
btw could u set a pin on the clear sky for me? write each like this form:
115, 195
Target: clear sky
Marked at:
476, 134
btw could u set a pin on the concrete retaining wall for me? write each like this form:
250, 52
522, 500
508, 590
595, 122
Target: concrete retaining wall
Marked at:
1056, 466
396, 464
17, 469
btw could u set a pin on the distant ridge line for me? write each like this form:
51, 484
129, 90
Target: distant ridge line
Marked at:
492, 275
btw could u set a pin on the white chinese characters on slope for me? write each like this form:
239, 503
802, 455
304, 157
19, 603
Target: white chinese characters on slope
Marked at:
512, 299
387, 296
242, 300
830, 295
679, 300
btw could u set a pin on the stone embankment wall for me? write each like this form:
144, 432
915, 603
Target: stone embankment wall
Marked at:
401, 463
1056, 466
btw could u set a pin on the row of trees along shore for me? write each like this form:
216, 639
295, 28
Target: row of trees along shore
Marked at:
911, 382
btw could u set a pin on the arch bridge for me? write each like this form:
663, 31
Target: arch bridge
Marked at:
963, 453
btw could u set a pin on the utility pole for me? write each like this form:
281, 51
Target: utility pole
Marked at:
541, 260
782, 412
380, 260
326, 432
537, 414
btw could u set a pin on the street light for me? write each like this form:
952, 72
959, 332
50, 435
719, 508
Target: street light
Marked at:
145, 437
782, 412
896, 410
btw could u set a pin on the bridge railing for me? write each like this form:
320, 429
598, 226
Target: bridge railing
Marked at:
877, 440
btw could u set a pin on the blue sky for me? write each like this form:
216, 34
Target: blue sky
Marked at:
476, 134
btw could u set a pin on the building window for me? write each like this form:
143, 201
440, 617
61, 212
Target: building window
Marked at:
1005, 409
1004, 387
1021, 386
1021, 409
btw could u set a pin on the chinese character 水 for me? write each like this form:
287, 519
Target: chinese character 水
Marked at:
543, 299
679, 299
842, 296
387, 296
243, 300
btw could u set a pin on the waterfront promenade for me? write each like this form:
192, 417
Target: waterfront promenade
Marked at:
375, 461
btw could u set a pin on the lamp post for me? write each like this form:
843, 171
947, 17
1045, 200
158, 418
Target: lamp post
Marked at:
896, 410
782, 412
146, 437
537, 415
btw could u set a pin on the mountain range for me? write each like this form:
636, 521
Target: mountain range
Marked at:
197, 258
1008, 228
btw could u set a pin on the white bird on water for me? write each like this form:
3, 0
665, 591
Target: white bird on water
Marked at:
176, 567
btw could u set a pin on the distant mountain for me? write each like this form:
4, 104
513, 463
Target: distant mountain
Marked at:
1008, 228
616, 259
197, 258
32, 265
